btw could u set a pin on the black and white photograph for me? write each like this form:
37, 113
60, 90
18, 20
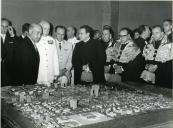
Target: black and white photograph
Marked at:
86, 64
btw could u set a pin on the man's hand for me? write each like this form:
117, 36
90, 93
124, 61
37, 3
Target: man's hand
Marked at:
84, 67
118, 69
11, 31
63, 71
152, 68
107, 69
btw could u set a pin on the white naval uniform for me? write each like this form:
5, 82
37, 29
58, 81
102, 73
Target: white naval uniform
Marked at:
49, 64
65, 56
73, 41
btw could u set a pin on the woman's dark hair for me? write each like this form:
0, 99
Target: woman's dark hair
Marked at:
134, 31
142, 28
25, 27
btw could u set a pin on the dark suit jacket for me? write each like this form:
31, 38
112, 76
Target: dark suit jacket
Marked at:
140, 42
7, 58
27, 62
170, 37
92, 54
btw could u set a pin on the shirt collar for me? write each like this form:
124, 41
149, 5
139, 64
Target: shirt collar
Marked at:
72, 39
87, 40
23, 36
126, 42
59, 41
110, 43
45, 36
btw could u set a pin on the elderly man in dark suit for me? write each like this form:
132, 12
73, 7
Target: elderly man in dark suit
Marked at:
27, 57
7, 51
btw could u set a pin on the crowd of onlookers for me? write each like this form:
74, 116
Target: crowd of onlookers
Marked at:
84, 56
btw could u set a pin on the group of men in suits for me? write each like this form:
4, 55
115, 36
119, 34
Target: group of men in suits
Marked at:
16, 62
143, 56
36, 57
39, 58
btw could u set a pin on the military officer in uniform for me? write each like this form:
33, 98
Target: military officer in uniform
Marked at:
64, 52
49, 65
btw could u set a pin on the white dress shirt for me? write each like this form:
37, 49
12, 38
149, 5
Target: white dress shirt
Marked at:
73, 41
49, 63
64, 54
3, 37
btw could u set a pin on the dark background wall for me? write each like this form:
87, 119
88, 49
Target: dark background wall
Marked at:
58, 12
135, 13
93, 13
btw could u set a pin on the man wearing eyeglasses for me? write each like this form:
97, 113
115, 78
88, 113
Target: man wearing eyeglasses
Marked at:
125, 52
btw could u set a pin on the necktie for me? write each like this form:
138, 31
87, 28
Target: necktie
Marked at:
60, 46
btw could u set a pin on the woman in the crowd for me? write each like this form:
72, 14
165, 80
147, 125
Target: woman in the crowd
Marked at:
97, 35
158, 55
125, 51
136, 34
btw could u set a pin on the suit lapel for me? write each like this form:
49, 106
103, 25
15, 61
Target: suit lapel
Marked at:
32, 46
6, 39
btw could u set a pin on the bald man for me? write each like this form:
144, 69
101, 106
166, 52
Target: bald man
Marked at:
71, 35
27, 57
49, 65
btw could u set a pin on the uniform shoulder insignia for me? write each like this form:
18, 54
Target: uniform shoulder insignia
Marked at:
50, 41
